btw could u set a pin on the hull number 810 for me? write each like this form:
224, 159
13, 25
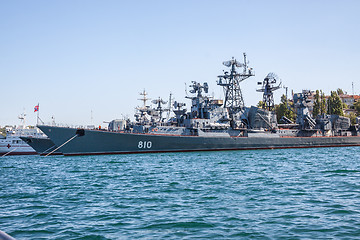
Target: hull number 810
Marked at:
145, 144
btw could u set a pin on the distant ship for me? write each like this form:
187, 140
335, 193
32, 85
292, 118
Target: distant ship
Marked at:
211, 124
12, 144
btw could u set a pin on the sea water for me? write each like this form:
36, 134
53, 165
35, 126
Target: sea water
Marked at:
259, 194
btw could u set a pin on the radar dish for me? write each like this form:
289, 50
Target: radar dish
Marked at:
206, 87
227, 63
272, 76
237, 64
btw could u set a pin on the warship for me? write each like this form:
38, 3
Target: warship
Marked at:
211, 124
42, 145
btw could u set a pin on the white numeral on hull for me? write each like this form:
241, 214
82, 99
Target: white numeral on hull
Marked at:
145, 144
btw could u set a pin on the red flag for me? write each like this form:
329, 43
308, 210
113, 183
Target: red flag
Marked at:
36, 108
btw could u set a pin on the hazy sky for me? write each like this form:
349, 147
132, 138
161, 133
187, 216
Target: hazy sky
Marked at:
75, 57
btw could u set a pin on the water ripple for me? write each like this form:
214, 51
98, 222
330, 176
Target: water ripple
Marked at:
266, 194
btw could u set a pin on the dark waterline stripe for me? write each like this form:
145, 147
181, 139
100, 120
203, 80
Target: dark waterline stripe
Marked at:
208, 150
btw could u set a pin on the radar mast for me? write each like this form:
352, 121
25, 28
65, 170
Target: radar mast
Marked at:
231, 84
268, 88
144, 98
159, 102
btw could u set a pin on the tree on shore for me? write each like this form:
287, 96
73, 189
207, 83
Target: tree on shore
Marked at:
284, 109
3, 131
339, 91
335, 105
317, 104
357, 108
352, 117
322, 102
260, 104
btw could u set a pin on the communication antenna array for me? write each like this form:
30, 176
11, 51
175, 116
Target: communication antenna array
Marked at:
231, 83
268, 88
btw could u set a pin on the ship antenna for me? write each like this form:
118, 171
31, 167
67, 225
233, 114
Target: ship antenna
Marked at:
91, 117
169, 106
159, 108
144, 98
245, 63
22, 118
268, 88
286, 94
231, 84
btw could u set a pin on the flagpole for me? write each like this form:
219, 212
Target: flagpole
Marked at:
37, 120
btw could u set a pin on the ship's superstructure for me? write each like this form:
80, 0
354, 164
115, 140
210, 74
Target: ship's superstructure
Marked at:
210, 124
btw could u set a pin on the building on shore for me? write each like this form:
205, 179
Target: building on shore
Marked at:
347, 99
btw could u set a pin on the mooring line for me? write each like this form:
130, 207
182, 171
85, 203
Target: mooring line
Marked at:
62, 145
9, 152
48, 149
5, 236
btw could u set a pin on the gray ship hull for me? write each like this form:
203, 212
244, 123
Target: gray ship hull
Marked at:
105, 142
42, 146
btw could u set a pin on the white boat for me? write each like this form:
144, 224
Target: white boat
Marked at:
11, 144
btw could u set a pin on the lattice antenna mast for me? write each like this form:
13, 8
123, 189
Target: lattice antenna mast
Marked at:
144, 98
231, 84
169, 106
140, 116
22, 118
159, 102
268, 88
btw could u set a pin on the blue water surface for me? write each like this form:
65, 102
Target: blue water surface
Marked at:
259, 194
